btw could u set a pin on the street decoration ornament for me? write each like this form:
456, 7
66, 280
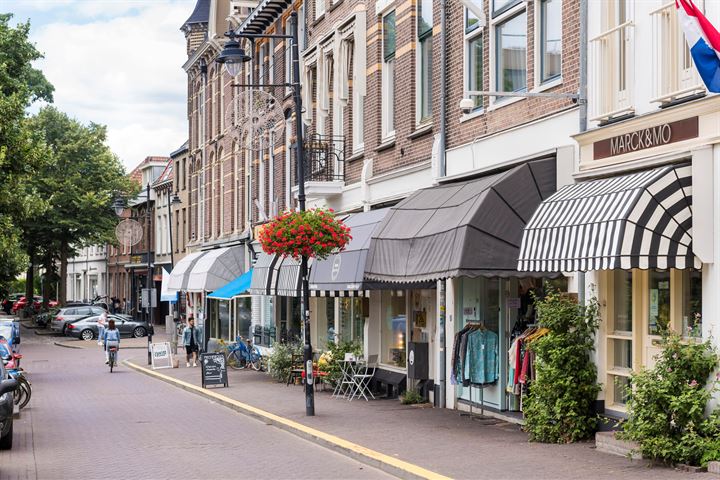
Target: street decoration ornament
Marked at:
261, 121
233, 117
129, 232
315, 233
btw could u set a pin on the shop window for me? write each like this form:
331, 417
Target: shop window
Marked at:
243, 317
659, 302
622, 290
325, 323
352, 319
511, 54
393, 330
692, 304
224, 319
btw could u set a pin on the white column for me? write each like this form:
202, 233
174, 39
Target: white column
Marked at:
710, 271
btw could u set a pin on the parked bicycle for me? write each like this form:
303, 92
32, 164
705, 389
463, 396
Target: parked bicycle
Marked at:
243, 354
23, 392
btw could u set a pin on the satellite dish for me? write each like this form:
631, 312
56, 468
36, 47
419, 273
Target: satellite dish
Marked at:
129, 232
262, 121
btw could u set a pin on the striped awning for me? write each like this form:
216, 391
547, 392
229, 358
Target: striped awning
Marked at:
275, 275
641, 220
340, 293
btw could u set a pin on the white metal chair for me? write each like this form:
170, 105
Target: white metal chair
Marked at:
346, 383
362, 376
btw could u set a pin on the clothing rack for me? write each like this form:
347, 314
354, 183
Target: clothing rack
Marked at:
471, 414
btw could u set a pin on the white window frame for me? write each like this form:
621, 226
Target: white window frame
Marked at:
538, 82
388, 85
508, 14
319, 8
470, 36
419, 57
358, 106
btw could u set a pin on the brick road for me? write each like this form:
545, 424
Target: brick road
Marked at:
84, 422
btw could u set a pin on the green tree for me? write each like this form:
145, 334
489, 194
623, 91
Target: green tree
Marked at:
78, 182
21, 154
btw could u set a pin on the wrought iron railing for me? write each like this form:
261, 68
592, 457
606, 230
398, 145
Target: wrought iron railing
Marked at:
324, 158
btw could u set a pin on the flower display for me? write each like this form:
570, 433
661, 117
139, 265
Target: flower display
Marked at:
313, 233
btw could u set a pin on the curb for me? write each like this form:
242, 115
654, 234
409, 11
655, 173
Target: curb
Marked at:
381, 461
46, 334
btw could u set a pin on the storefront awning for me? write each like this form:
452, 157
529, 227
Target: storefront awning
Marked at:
642, 220
342, 274
275, 275
216, 268
473, 228
179, 276
237, 287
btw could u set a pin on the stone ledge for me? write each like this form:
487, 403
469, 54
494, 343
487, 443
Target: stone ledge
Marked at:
714, 467
607, 443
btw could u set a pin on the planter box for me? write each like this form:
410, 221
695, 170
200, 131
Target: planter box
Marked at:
607, 443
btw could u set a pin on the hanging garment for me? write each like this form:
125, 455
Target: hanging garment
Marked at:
457, 359
481, 361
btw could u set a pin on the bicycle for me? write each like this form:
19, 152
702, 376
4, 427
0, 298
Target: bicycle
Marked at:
112, 348
23, 392
243, 354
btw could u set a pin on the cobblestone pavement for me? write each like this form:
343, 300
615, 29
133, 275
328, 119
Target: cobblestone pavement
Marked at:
85, 423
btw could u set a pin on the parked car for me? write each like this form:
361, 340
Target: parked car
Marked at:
10, 331
68, 315
87, 328
8, 303
21, 303
7, 387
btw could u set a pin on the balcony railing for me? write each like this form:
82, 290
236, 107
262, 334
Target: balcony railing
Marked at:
674, 74
613, 82
324, 158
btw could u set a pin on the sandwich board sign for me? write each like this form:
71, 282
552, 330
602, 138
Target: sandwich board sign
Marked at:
161, 355
214, 369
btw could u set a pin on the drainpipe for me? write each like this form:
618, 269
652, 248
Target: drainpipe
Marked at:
582, 101
440, 399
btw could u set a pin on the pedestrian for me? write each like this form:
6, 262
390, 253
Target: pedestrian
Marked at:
111, 337
116, 304
191, 340
123, 306
102, 324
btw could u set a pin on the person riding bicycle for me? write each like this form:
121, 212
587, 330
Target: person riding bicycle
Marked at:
111, 336
191, 340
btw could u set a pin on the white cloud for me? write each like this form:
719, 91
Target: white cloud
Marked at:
124, 72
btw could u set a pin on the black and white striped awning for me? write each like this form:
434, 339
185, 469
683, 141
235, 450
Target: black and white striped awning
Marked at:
641, 220
340, 293
275, 275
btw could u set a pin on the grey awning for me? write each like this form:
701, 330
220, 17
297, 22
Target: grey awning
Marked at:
181, 272
641, 220
275, 275
216, 268
343, 274
473, 228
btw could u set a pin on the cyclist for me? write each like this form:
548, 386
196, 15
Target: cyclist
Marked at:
111, 336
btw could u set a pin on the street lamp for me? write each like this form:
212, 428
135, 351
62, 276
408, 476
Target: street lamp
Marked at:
232, 56
118, 206
174, 201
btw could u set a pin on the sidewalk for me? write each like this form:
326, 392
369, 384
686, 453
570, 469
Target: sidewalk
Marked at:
438, 440
140, 343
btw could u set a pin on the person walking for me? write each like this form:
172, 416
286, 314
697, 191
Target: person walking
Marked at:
111, 336
191, 340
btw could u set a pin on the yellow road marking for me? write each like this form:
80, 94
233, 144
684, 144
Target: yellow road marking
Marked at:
410, 468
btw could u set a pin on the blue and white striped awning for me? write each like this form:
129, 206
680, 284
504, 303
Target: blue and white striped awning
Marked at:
641, 220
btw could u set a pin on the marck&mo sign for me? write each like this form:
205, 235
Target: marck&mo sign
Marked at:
650, 137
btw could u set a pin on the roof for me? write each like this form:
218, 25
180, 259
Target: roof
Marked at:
166, 176
180, 150
201, 14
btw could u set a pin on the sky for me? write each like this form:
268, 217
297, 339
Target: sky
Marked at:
117, 63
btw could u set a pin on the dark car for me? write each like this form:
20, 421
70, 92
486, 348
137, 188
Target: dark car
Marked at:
7, 387
87, 328
68, 315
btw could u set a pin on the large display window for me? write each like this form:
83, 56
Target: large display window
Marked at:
352, 319
393, 328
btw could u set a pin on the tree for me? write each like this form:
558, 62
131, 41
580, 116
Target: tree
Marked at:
21, 152
79, 183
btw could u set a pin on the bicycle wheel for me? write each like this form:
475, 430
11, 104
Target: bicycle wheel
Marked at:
27, 392
234, 361
111, 360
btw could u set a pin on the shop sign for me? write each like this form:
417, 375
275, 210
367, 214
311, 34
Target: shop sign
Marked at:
513, 303
161, 355
214, 369
645, 138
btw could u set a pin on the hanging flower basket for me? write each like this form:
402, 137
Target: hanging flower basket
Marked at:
313, 233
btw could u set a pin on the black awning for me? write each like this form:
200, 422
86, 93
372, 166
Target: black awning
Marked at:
472, 228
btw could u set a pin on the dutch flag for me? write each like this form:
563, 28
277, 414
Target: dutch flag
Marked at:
704, 42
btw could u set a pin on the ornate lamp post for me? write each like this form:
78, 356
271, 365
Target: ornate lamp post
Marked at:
232, 56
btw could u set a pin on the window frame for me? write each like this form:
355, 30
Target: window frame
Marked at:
388, 82
319, 9
505, 8
508, 14
539, 81
424, 68
470, 36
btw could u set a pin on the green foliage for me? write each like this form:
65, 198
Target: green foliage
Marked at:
280, 360
559, 408
411, 397
336, 355
667, 405
21, 151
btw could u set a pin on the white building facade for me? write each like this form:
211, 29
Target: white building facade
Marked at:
87, 274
